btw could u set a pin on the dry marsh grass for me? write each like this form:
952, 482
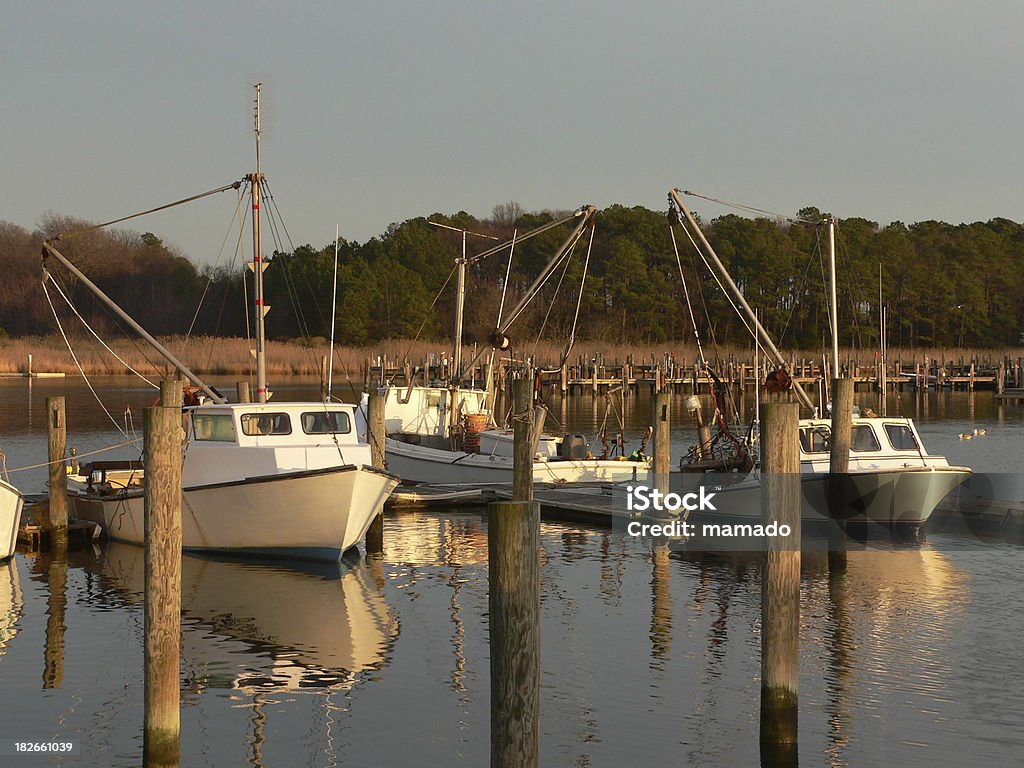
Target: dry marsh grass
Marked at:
230, 356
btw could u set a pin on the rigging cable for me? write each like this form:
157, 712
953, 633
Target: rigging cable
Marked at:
89, 328
78, 364
193, 198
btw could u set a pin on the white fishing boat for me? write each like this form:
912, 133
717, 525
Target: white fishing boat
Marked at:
282, 479
891, 480
11, 503
445, 434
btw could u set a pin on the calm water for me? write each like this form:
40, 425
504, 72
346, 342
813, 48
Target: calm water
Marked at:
648, 657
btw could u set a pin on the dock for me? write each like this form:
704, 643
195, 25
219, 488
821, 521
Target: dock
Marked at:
593, 504
600, 374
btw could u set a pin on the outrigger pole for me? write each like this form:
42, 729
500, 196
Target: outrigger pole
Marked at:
49, 250
762, 335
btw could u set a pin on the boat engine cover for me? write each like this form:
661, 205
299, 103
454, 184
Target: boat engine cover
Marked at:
573, 447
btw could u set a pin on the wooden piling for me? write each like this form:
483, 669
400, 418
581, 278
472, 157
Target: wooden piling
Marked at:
839, 467
163, 434
522, 439
242, 387
513, 544
57, 440
661, 418
780, 579
376, 435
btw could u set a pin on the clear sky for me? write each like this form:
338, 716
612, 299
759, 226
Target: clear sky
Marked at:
380, 111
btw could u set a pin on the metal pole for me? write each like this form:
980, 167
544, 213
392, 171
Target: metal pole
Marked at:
334, 309
737, 294
48, 249
833, 301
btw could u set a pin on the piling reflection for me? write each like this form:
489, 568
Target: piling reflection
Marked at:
53, 569
889, 618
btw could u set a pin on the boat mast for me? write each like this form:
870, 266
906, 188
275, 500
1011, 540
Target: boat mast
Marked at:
258, 266
460, 307
737, 294
833, 302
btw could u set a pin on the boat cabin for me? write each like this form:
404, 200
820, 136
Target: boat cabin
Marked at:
875, 443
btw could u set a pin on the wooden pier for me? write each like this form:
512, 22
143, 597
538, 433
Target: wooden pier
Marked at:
599, 374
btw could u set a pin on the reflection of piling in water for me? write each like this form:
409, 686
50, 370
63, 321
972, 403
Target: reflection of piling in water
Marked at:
513, 545
162, 433
838, 469
661, 604
56, 603
780, 584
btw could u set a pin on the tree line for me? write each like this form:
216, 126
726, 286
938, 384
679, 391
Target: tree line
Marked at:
941, 284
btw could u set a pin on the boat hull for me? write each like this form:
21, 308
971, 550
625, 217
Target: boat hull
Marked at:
324, 513
420, 464
11, 502
894, 498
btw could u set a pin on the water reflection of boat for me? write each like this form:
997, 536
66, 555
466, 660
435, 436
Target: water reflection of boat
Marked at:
11, 602
252, 625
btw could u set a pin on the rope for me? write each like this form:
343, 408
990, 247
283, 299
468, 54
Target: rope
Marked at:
220, 254
80, 455
579, 300
95, 335
686, 293
79, 365
193, 198
742, 207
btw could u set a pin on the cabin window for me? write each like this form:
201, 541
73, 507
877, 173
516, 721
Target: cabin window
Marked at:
255, 424
862, 438
901, 437
213, 426
326, 423
815, 439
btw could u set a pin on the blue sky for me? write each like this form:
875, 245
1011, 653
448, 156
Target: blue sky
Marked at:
383, 111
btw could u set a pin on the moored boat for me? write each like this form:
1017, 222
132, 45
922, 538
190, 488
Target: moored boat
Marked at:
11, 503
281, 479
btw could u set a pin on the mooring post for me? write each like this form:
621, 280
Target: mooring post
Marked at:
522, 439
780, 581
376, 435
513, 544
242, 387
163, 435
839, 467
661, 418
57, 441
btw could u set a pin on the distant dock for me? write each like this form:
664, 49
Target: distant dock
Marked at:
600, 374
21, 375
